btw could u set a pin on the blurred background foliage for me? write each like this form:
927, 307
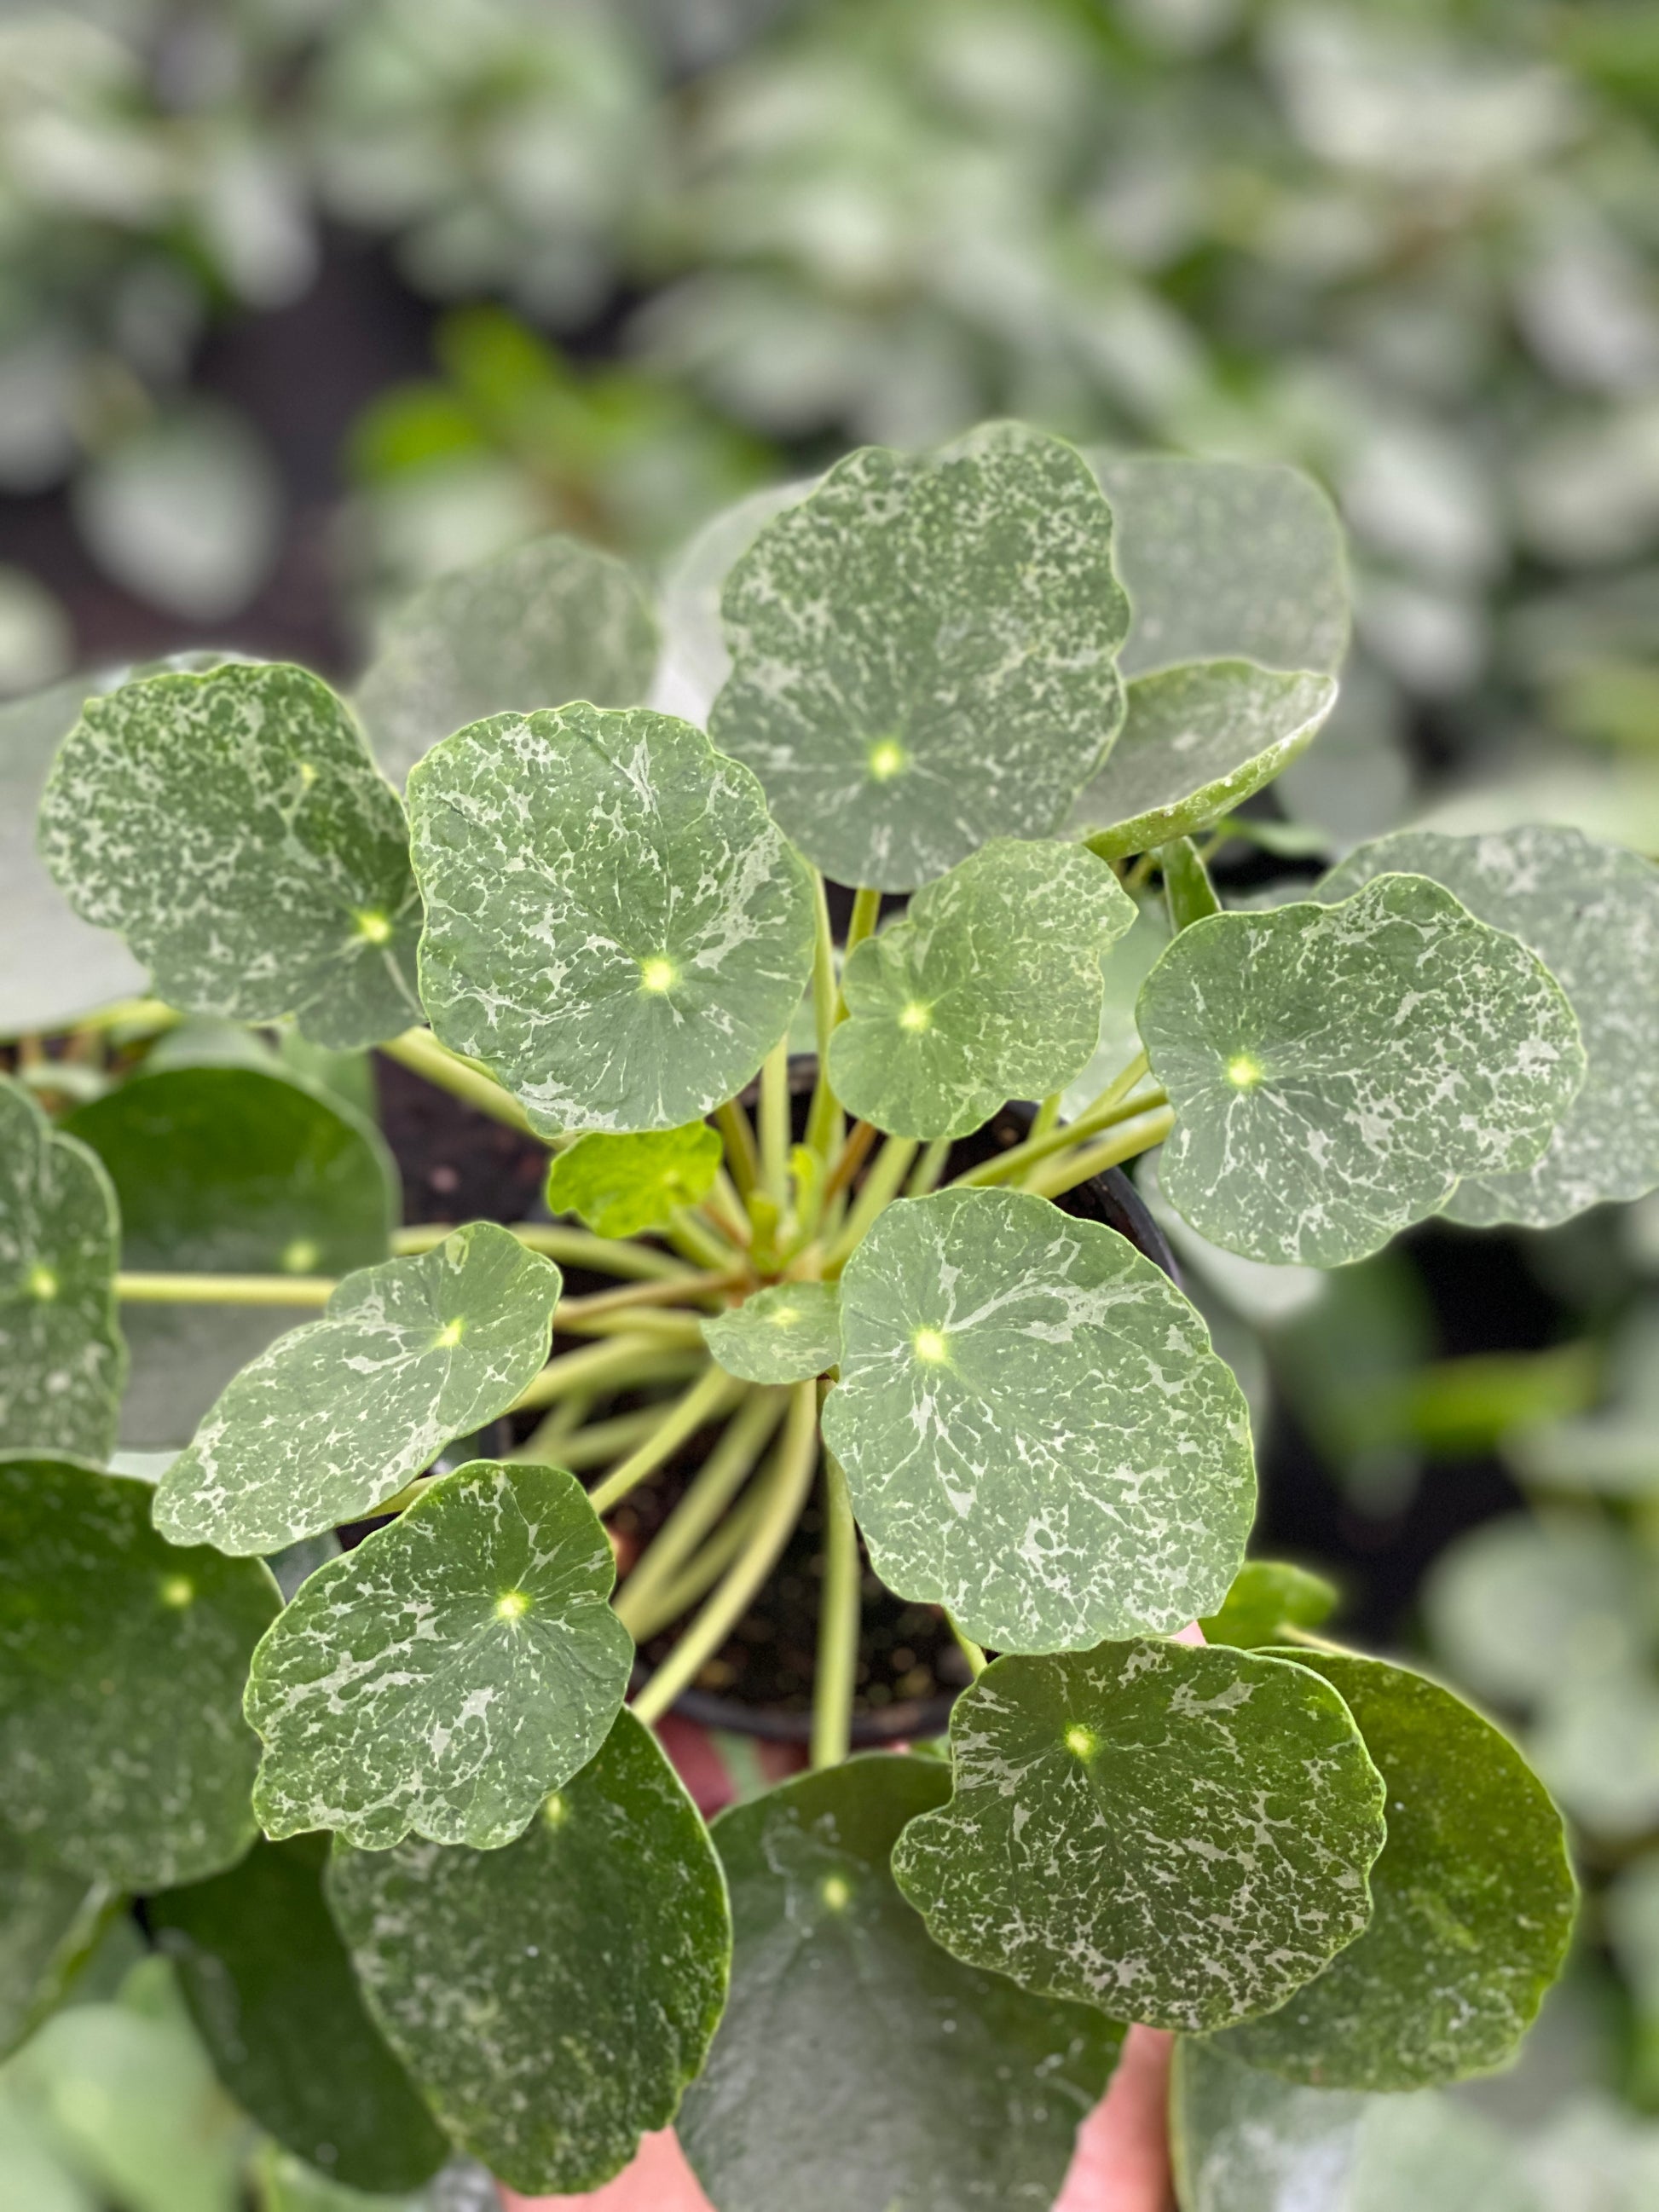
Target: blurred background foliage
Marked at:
303, 302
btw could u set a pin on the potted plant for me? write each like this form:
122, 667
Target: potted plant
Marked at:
483, 1911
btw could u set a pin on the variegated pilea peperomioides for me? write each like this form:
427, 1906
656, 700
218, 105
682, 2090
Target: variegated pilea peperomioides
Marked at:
1016, 695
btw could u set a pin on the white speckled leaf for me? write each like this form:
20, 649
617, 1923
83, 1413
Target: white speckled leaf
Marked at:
924, 654
1035, 1429
122, 1662
234, 829
62, 1359
1336, 1070
342, 1411
621, 1185
1181, 1836
858, 2064
1590, 912
553, 1998
537, 626
785, 1334
448, 1672
1197, 740
614, 923
1473, 1902
988, 988
1225, 560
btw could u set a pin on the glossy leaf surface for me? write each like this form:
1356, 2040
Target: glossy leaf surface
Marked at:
621, 1185
785, 1334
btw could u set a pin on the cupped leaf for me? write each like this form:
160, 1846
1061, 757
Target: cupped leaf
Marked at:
61, 1359
340, 1413
271, 1990
1197, 740
50, 1922
989, 989
448, 1672
1590, 912
1268, 1596
541, 624
924, 654
858, 2064
1226, 560
785, 1334
614, 925
553, 1998
234, 829
621, 1185
1035, 1429
1178, 1835
1472, 1903
228, 1170
1336, 1070
122, 1662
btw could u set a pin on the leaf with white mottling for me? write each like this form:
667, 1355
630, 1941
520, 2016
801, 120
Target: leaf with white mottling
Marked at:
61, 1359
1590, 912
1197, 740
621, 1185
924, 653
553, 1998
936, 2088
1268, 1596
1181, 1836
1336, 1070
1225, 560
340, 1413
1035, 1428
537, 626
988, 988
122, 1662
615, 925
234, 829
1473, 1902
448, 1672
785, 1334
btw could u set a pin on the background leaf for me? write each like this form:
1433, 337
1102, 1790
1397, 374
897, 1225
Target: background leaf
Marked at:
935, 2087
134, 1653
601, 1934
234, 829
436, 1345
988, 988
621, 1185
924, 654
785, 1334
448, 1672
49, 1921
1267, 1596
1180, 1835
1035, 1429
684, 920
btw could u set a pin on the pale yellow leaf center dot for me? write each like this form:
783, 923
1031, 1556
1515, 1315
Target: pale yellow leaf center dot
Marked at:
449, 1335
43, 1282
930, 1347
1082, 1743
301, 1257
784, 1315
307, 774
179, 1591
887, 758
555, 1810
1243, 1073
916, 1018
837, 1893
373, 926
656, 974
512, 1605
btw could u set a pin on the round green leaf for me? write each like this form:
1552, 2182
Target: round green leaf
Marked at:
542, 623
1336, 1070
614, 925
446, 1674
1472, 1903
1178, 1835
621, 1185
1226, 560
1197, 741
340, 1413
271, 1990
553, 1998
1518, 1606
785, 1334
989, 989
1597, 1744
50, 1922
228, 1170
234, 829
924, 654
62, 1359
858, 2064
1267, 1597
1035, 1429
122, 1662
1590, 912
